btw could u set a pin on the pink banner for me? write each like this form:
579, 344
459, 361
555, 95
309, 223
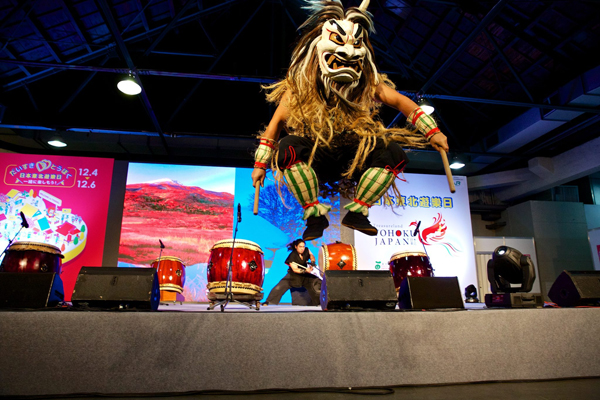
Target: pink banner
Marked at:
65, 201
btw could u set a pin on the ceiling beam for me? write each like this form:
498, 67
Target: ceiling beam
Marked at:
112, 26
169, 26
482, 25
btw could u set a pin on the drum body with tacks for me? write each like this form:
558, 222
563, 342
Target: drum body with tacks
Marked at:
247, 267
337, 257
171, 273
32, 257
409, 263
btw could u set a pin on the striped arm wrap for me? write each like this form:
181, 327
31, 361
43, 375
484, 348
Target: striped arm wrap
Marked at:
262, 157
373, 184
302, 181
424, 123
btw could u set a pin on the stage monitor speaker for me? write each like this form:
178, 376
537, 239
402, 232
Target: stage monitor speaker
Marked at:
425, 293
30, 289
358, 290
576, 288
110, 288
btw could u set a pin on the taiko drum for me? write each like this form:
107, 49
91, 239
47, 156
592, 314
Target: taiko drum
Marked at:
409, 263
247, 267
337, 257
171, 273
32, 257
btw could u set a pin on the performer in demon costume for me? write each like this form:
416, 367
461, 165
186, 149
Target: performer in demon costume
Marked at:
328, 104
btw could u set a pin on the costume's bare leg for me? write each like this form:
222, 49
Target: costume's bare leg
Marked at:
302, 181
373, 184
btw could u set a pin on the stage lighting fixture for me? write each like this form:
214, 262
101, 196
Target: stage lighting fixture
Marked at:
57, 141
471, 294
511, 275
129, 85
425, 105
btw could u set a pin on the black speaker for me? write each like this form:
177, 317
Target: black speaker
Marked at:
348, 290
424, 293
30, 290
111, 288
576, 288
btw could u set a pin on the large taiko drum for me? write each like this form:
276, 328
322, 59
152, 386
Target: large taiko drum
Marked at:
409, 263
32, 257
247, 267
337, 257
171, 273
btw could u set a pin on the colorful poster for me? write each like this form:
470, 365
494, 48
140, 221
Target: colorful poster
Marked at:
65, 203
186, 208
444, 220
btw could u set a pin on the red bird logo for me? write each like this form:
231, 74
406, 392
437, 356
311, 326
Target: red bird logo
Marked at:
435, 234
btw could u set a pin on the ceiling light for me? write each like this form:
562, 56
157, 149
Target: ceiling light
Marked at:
425, 106
57, 141
456, 163
129, 85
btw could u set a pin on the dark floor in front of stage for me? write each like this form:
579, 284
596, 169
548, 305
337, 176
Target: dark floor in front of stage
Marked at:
580, 389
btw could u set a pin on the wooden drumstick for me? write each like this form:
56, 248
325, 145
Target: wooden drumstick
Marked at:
256, 195
447, 169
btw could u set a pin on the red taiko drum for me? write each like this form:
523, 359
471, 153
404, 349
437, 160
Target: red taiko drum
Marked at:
409, 263
247, 267
171, 273
337, 257
32, 257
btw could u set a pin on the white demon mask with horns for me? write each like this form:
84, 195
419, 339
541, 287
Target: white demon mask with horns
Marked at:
342, 47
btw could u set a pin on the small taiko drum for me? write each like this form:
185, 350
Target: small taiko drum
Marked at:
247, 267
337, 257
171, 273
409, 263
32, 257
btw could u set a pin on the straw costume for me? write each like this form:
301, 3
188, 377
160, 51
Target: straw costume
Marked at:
328, 104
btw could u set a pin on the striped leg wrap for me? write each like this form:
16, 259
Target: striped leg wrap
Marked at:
423, 122
373, 184
302, 181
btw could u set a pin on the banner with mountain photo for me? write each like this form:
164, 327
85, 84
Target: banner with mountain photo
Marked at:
444, 220
186, 208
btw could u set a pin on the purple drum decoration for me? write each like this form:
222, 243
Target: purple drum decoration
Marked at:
409, 263
32, 257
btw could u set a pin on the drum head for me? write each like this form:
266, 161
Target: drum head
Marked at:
404, 254
337, 256
35, 246
239, 244
169, 258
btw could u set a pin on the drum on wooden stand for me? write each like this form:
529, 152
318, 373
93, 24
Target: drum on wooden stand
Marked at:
171, 276
32, 257
247, 267
337, 257
409, 263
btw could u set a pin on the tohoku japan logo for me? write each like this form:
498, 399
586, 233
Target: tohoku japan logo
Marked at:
435, 234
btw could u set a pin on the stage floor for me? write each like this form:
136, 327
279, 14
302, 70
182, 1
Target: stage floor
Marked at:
185, 347
234, 307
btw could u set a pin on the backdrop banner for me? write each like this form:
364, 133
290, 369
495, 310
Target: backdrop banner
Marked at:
445, 232
65, 202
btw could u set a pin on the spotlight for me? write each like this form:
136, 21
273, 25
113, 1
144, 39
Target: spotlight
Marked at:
471, 294
129, 85
511, 276
425, 105
57, 141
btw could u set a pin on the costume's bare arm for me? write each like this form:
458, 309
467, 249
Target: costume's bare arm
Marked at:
272, 132
392, 98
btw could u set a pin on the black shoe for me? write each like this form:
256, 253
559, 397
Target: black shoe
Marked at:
359, 222
315, 227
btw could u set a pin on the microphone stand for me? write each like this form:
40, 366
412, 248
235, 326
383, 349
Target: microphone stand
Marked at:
228, 294
24, 224
416, 233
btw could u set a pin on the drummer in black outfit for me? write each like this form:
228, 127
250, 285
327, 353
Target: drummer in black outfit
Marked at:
297, 277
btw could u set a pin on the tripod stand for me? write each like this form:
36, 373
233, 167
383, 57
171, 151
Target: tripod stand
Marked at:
24, 224
228, 296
